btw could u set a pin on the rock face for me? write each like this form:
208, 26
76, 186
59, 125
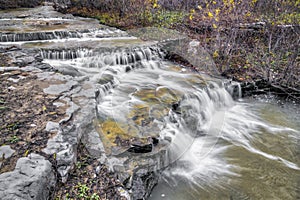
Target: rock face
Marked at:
8, 4
33, 178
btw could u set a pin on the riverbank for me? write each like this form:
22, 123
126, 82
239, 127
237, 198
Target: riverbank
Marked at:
45, 112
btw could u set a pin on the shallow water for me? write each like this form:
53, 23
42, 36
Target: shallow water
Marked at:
255, 155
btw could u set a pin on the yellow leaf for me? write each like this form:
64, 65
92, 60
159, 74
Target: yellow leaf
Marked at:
210, 15
26, 153
199, 7
216, 54
254, 1
215, 26
44, 108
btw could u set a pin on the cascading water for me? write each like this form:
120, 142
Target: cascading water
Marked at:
65, 54
235, 157
194, 117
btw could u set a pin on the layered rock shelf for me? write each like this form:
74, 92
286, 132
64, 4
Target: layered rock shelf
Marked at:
99, 89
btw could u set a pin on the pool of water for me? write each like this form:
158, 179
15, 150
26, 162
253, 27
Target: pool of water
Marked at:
254, 154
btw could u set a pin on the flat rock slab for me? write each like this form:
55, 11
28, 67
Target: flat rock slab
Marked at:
33, 178
5, 152
60, 88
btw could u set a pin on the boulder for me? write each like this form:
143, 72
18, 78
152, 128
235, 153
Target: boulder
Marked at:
33, 178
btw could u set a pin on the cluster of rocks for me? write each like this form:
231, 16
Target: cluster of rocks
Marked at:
136, 164
34, 176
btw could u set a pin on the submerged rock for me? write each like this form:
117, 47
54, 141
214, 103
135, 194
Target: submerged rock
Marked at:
147, 148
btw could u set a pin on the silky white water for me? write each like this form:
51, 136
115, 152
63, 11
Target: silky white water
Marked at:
252, 152
219, 148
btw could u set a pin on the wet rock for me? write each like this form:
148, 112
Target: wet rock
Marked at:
69, 70
106, 78
127, 69
176, 107
168, 138
155, 141
44, 67
13, 80
234, 89
201, 133
24, 61
143, 184
139, 173
22, 16
140, 148
33, 178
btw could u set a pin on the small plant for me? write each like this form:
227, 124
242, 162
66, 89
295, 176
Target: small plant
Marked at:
82, 190
80, 165
12, 126
95, 196
14, 139
2, 107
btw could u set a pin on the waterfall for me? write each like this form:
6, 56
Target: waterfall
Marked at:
31, 36
66, 54
199, 112
209, 124
195, 118
52, 35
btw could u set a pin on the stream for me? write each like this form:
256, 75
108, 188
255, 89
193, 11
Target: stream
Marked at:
155, 115
255, 155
